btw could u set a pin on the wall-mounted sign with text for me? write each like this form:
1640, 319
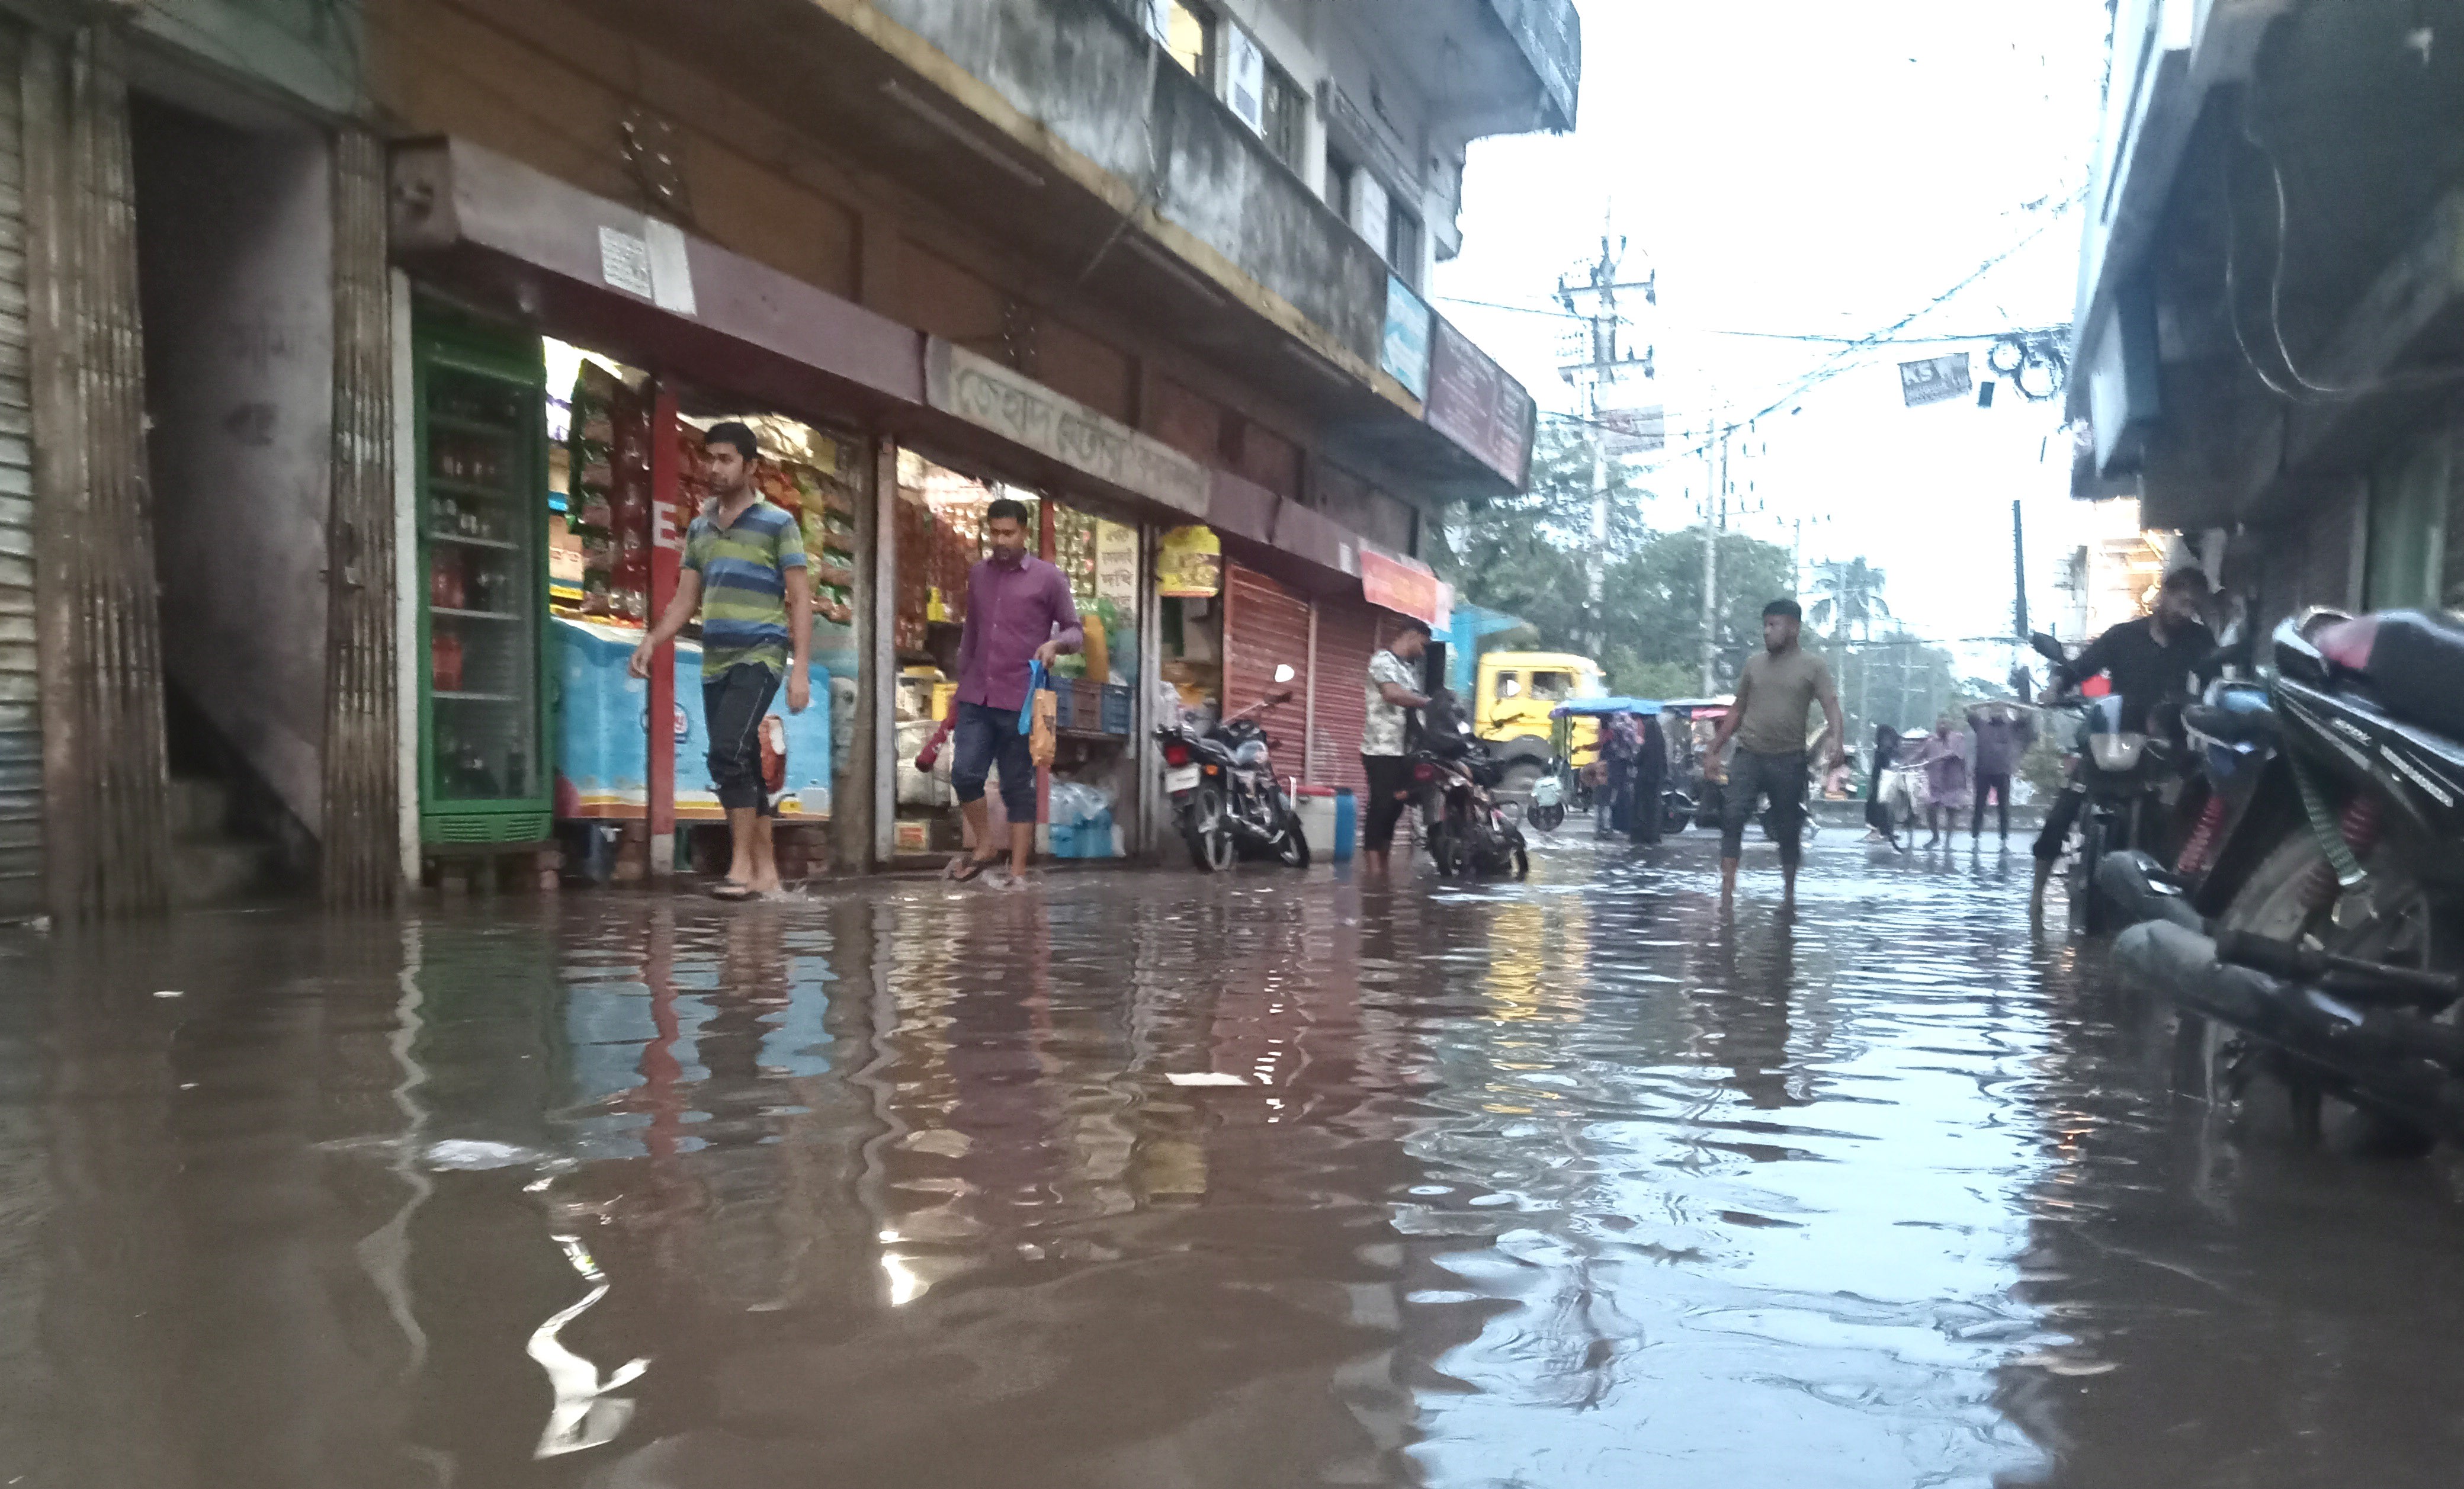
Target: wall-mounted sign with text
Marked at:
1024, 411
1405, 354
1474, 403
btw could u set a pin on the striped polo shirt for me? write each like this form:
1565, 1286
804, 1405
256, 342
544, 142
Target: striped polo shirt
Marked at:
743, 568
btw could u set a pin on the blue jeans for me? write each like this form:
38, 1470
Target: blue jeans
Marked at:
986, 736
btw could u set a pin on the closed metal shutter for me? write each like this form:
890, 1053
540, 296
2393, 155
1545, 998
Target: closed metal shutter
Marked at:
1347, 634
21, 730
1266, 626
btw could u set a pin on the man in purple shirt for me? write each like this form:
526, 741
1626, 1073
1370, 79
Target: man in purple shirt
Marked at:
1019, 611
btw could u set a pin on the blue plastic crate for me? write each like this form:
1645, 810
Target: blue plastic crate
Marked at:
1116, 709
1063, 714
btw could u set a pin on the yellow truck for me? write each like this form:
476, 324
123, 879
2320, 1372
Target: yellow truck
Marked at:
1515, 691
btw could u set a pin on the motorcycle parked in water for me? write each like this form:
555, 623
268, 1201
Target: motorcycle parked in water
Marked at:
2320, 945
1225, 796
2130, 778
1469, 830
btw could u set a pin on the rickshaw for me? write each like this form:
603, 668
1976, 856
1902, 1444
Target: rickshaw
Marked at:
1688, 723
1575, 793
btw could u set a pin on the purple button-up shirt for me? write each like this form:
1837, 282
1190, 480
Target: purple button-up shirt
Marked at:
1012, 608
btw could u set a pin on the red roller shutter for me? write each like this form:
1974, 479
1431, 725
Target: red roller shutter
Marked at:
1266, 626
1347, 633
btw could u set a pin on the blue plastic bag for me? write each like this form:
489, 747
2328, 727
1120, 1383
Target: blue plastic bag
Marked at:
1036, 682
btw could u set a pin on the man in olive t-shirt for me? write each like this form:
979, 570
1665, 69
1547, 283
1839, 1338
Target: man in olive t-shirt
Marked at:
1768, 722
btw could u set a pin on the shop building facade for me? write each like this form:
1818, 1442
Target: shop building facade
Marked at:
1052, 250
2268, 320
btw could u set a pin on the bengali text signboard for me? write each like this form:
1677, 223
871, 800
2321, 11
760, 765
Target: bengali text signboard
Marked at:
1473, 403
1024, 411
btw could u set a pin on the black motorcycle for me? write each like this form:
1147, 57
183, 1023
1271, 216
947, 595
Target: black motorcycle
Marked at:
2131, 779
1225, 796
1469, 830
2319, 942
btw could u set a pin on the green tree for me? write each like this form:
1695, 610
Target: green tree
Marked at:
1654, 600
1525, 555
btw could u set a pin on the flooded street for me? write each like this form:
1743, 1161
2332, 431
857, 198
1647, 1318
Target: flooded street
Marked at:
1566, 1183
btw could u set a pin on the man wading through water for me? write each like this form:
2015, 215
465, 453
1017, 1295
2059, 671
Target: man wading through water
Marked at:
745, 558
1019, 612
1767, 721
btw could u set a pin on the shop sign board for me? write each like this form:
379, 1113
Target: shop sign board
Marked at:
1403, 585
1026, 413
1934, 379
1189, 564
1475, 404
1405, 355
1116, 562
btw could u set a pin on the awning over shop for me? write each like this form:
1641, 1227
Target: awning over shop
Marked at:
638, 287
516, 240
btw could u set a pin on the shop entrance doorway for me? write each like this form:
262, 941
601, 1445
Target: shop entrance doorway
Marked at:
234, 238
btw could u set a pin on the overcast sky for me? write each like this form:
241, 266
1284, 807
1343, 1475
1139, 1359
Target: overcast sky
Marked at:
1808, 168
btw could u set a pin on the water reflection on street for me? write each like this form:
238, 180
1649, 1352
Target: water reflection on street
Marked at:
1570, 1182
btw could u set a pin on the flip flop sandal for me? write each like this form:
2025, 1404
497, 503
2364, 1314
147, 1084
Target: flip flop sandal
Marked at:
964, 869
733, 892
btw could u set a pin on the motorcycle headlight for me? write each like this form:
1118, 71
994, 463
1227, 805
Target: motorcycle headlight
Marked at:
1251, 753
2116, 752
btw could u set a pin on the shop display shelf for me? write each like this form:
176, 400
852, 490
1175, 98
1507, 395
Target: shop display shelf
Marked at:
461, 423
476, 697
465, 540
475, 615
454, 488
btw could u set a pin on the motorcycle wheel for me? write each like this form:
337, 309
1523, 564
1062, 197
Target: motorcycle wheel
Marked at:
1291, 848
2277, 902
1521, 858
1548, 818
1210, 835
2086, 904
1445, 846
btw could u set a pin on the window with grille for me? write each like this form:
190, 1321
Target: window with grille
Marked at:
1287, 116
1403, 245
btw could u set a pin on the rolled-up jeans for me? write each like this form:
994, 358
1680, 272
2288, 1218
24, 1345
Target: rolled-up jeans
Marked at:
986, 736
1752, 777
734, 703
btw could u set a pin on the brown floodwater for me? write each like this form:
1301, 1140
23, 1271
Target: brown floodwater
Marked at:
1575, 1182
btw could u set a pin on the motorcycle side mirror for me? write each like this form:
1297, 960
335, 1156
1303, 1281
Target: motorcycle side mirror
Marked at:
2046, 647
1283, 672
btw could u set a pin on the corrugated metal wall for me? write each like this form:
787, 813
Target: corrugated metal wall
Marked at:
1347, 633
1266, 626
21, 731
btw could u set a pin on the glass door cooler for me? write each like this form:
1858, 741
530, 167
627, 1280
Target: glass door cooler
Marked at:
482, 463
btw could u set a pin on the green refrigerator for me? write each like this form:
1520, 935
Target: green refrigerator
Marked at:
484, 758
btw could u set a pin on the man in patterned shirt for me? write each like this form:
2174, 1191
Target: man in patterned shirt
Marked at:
1392, 689
744, 570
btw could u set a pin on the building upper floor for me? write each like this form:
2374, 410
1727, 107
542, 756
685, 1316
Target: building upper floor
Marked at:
2273, 265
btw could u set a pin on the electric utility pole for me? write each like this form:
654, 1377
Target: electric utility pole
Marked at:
1597, 361
1715, 521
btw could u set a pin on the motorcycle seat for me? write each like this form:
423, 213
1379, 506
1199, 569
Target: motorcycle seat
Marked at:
2416, 663
2232, 726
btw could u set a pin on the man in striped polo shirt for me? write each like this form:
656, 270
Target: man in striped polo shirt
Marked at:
744, 570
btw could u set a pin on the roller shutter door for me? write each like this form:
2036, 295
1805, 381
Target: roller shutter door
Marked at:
21, 733
1266, 626
1347, 634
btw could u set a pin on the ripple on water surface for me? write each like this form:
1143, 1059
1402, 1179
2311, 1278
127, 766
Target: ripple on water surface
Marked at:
1578, 1181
